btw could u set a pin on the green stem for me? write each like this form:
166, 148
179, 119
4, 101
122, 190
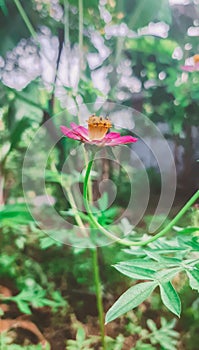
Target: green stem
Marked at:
126, 241
80, 7
95, 264
99, 297
89, 186
66, 24
2, 181
25, 18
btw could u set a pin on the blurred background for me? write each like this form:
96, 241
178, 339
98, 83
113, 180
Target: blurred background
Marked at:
129, 52
60, 54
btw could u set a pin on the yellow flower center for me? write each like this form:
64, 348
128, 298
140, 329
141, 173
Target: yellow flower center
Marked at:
196, 58
98, 127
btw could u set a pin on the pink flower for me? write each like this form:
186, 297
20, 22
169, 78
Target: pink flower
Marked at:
192, 67
97, 133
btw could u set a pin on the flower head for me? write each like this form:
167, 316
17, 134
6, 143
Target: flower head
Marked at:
192, 67
97, 133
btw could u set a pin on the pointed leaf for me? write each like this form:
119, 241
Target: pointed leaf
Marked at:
163, 259
170, 298
193, 278
151, 324
194, 243
135, 271
23, 307
130, 299
149, 264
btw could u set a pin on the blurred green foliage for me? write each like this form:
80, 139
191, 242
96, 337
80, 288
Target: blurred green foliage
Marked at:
141, 68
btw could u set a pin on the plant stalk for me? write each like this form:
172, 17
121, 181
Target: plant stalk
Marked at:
81, 16
2, 180
126, 241
98, 289
25, 18
96, 272
66, 24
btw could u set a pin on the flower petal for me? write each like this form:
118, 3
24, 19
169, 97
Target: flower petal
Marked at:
80, 133
189, 68
80, 130
112, 135
122, 140
69, 133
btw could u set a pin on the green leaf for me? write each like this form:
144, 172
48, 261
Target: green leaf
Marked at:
145, 263
140, 346
186, 230
151, 324
130, 299
103, 201
15, 214
193, 278
47, 242
80, 336
166, 260
134, 271
23, 307
170, 298
194, 243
